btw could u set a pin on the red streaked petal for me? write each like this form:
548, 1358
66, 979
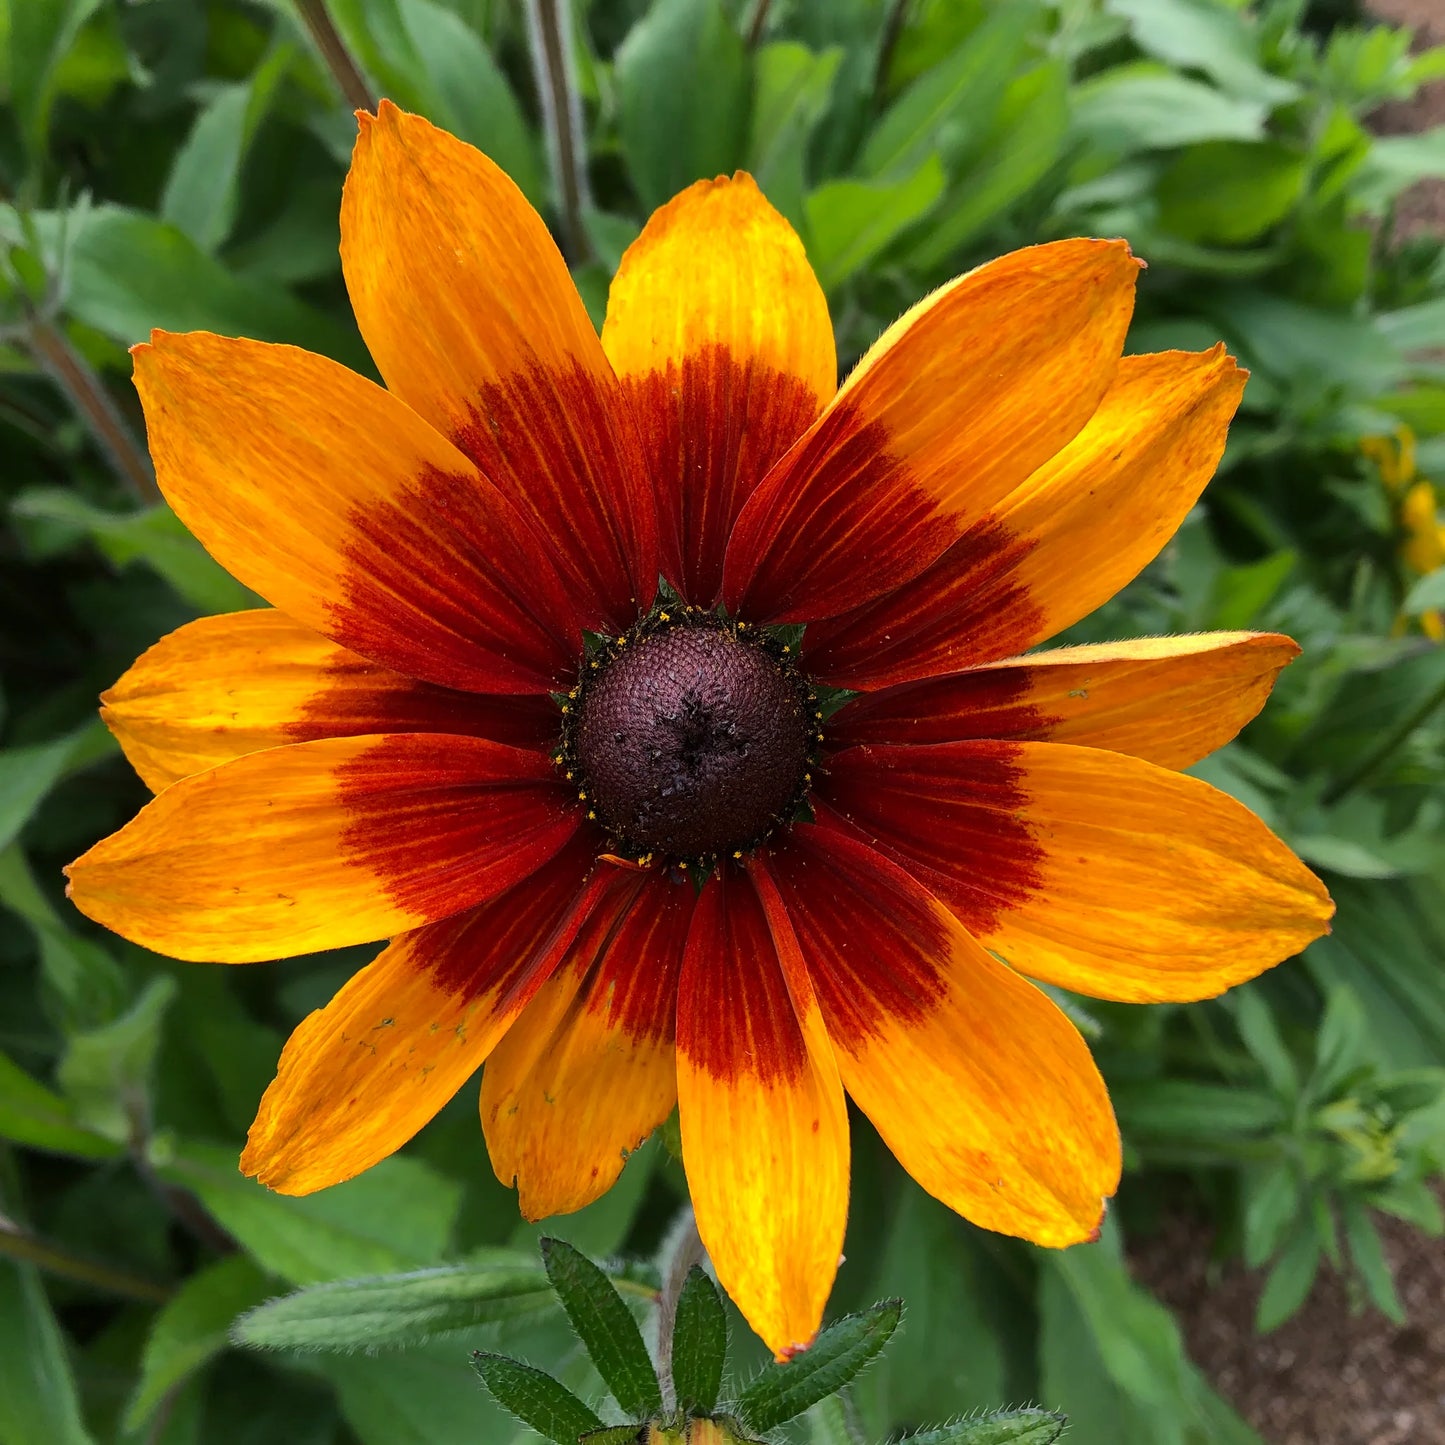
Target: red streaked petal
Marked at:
1103, 873
589, 1070
1084, 524
975, 1080
316, 845
953, 407
359, 1077
222, 687
764, 1125
338, 504
471, 316
1169, 700
720, 333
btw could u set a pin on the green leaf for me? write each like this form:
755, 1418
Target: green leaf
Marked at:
28, 774
41, 34
535, 1398
394, 1311
1262, 1038
105, 1068
699, 1343
1368, 1257
954, 101
1395, 163
32, 1115
396, 1216
192, 1329
1190, 1109
1230, 192
782, 1391
1340, 1045
1272, 1203
1427, 594
155, 537
1143, 107
605, 1326
851, 222
1004, 1427
682, 95
1289, 1281
790, 96
39, 1404
1026, 138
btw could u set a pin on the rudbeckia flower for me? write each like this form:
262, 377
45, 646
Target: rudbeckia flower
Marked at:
799, 821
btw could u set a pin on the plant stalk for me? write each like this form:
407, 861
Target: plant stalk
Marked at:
347, 74
554, 66
70, 371
16, 1243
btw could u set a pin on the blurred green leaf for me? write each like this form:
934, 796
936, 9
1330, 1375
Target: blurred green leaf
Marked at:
699, 1343
41, 34
954, 101
498, 1287
1289, 1281
39, 1404
397, 1215
1145, 107
1230, 192
154, 536
192, 1329
1272, 1202
790, 96
841, 1350
683, 84
535, 1398
27, 774
605, 1326
850, 222
37, 1117
1261, 1037
1368, 1257
1425, 595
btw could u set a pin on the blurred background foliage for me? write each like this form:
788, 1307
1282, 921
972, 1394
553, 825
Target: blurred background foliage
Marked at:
178, 163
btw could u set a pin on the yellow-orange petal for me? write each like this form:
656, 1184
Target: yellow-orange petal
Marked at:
338, 504
222, 687
720, 334
359, 1077
1099, 872
764, 1124
589, 1070
1169, 700
952, 408
1087, 521
316, 845
471, 316
974, 1079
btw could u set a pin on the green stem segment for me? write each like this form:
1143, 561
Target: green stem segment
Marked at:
87, 394
553, 64
339, 60
15, 1243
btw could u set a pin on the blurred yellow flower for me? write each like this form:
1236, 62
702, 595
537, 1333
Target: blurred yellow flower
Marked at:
1422, 538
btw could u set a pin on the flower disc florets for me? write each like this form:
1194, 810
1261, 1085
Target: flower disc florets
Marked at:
691, 738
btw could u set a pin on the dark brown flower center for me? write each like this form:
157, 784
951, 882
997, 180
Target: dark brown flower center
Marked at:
692, 741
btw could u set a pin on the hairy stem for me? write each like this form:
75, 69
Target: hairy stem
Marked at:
682, 1250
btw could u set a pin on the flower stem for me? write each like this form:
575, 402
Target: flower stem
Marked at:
682, 1250
1381, 753
87, 394
554, 66
17, 1243
340, 62
888, 42
759, 23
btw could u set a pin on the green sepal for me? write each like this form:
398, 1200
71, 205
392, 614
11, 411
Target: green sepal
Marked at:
535, 1398
699, 1344
835, 1357
606, 1328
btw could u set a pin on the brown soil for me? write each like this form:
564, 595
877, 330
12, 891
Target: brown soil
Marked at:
1422, 208
1325, 1377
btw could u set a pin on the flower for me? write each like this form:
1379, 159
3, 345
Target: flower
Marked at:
693, 879
1422, 537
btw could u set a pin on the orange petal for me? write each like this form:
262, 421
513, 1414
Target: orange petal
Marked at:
764, 1125
1105, 874
1169, 700
359, 1077
471, 316
1085, 523
316, 845
720, 333
589, 1071
342, 507
953, 407
980, 1086
221, 687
